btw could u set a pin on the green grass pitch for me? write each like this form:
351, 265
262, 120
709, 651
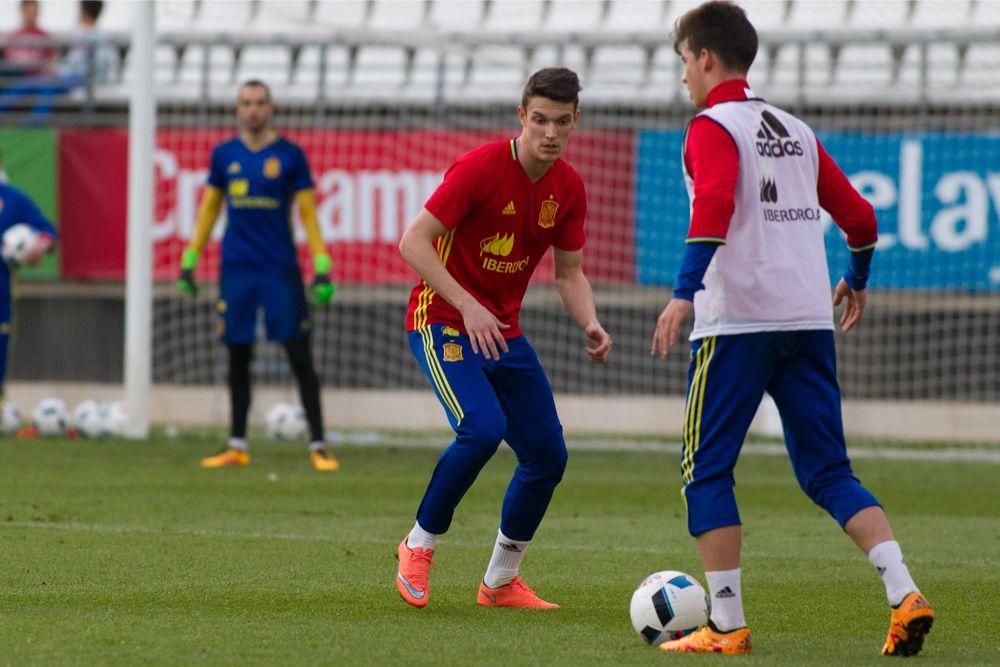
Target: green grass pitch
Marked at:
112, 552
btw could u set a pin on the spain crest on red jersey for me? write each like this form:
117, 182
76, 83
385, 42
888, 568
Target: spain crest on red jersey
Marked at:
547, 216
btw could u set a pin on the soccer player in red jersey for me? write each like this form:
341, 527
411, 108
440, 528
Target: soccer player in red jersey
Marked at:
755, 275
475, 245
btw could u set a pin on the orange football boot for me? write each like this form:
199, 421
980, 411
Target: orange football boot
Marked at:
708, 639
909, 623
413, 575
324, 461
227, 458
515, 594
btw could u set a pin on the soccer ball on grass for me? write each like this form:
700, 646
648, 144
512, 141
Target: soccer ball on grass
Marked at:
89, 419
51, 418
668, 605
10, 418
285, 421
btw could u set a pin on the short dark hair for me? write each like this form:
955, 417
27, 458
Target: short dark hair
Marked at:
723, 28
25, 3
255, 83
558, 84
92, 8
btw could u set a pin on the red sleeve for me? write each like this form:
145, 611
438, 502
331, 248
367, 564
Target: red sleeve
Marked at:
849, 209
572, 236
711, 158
457, 195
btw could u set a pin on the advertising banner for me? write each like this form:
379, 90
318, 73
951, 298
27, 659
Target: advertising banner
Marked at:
936, 195
369, 185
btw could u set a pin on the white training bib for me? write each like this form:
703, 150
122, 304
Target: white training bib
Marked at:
771, 275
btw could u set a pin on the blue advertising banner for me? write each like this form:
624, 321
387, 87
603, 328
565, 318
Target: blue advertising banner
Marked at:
937, 197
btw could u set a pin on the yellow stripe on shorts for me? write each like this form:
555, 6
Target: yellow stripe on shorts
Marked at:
694, 408
438, 376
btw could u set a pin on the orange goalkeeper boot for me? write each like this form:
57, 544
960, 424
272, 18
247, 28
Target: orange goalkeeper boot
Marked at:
709, 639
227, 458
413, 575
909, 623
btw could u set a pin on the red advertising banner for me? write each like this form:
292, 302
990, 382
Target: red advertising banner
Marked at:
369, 185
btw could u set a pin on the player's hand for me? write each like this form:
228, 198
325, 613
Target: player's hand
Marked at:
38, 250
668, 326
322, 289
855, 306
485, 331
601, 343
186, 283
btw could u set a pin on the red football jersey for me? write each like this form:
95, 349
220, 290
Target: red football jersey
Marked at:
500, 224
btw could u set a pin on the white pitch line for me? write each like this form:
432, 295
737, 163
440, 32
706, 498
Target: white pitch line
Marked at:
111, 529
955, 455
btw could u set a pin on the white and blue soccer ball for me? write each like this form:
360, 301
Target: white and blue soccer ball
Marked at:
17, 242
51, 417
89, 420
10, 418
285, 421
668, 605
115, 418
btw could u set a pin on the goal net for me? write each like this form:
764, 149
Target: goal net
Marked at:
381, 112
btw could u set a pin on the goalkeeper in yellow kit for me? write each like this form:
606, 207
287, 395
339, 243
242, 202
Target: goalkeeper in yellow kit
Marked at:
259, 174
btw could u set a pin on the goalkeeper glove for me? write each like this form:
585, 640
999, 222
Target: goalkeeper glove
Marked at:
322, 289
186, 283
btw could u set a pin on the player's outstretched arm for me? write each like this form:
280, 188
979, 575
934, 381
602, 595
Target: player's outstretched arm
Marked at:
322, 288
417, 247
578, 297
208, 212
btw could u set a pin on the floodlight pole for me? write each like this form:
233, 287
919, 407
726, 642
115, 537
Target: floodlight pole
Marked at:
139, 264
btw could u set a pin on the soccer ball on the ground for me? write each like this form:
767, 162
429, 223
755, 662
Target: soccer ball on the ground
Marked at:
10, 418
668, 605
115, 417
18, 241
285, 421
51, 417
89, 421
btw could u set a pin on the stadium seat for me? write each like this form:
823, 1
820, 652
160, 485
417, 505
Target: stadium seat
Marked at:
271, 64
635, 15
514, 16
766, 14
379, 69
116, 16
879, 14
571, 56
863, 72
811, 15
219, 16
338, 67
574, 15
340, 14
423, 83
616, 72
986, 14
980, 77
665, 72
934, 14
397, 15
56, 17
456, 15
220, 67
282, 16
942, 70
497, 71
174, 15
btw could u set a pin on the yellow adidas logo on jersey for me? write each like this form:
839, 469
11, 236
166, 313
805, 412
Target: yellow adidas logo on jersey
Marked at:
509, 209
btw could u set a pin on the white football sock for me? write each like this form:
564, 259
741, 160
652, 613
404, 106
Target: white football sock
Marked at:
317, 446
420, 538
238, 443
506, 561
888, 560
727, 599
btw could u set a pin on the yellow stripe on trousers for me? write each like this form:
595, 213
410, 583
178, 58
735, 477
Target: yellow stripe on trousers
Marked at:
437, 374
695, 407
